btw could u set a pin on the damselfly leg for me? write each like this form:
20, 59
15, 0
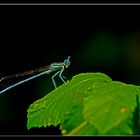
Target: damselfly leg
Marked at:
60, 76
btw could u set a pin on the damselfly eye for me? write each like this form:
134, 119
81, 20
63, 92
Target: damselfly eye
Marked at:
67, 62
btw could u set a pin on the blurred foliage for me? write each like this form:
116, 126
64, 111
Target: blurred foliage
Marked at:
101, 49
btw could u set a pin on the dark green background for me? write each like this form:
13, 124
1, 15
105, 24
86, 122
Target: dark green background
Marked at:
98, 38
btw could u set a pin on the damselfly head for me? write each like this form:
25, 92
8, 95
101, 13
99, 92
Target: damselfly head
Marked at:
67, 62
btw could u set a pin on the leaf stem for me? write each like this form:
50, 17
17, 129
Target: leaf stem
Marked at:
76, 129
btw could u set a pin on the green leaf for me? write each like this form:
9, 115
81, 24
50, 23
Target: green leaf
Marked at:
74, 124
89, 104
136, 116
125, 128
110, 105
51, 109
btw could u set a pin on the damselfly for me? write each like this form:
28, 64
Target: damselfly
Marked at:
59, 67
